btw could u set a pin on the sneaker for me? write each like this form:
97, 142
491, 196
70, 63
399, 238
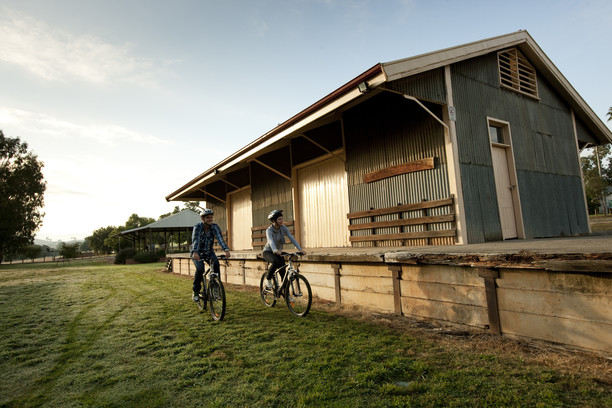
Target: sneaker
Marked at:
269, 284
195, 297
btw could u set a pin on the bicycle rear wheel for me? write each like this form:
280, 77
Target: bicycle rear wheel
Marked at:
298, 295
267, 295
216, 294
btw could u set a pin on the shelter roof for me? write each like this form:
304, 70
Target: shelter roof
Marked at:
179, 221
350, 93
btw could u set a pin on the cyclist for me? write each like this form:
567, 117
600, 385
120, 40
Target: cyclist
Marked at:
202, 239
275, 235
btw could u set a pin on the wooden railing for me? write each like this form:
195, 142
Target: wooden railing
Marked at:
216, 246
258, 234
423, 223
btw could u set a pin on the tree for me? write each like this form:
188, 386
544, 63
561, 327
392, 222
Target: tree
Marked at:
31, 252
597, 173
97, 238
22, 191
609, 114
69, 251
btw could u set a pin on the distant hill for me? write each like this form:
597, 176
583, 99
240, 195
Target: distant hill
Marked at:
53, 244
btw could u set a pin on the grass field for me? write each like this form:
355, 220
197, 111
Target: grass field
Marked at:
600, 223
101, 335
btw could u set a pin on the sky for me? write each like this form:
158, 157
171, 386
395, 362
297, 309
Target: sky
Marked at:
125, 101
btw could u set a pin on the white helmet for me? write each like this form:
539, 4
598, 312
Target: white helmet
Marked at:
207, 211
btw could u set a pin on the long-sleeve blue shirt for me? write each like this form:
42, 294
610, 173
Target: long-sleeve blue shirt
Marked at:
202, 242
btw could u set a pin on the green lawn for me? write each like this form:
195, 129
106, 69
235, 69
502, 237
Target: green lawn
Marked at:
101, 335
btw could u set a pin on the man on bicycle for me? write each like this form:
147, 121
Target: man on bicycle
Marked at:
202, 239
275, 235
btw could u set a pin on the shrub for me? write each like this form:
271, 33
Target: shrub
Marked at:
146, 257
123, 255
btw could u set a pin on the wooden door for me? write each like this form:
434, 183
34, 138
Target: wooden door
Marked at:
242, 220
505, 190
323, 205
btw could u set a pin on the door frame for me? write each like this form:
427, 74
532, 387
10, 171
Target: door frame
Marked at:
338, 154
507, 146
230, 214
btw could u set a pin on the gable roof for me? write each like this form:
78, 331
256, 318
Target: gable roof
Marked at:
393, 70
179, 221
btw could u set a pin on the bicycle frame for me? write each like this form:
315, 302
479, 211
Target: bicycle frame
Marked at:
294, 287
289, 270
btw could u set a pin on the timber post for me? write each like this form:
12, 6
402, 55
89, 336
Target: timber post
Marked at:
396, 274
489, 276
336, 267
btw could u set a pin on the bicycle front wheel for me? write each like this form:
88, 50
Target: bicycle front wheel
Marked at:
298, 295
216, 294
267, 295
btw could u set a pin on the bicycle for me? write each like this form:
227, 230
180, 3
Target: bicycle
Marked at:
212, 291
294, 287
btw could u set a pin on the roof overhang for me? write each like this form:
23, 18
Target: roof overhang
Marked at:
520, 39
341, 96
349, 93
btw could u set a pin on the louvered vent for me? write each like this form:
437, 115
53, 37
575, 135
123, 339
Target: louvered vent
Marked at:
516, 73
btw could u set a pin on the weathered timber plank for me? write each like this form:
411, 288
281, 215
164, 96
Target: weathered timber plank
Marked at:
409, 167
404, 235
578, 333
263, 227
402, 208
403, 222
443, 311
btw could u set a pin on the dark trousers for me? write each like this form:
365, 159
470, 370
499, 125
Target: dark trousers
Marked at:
276, 261
199, 273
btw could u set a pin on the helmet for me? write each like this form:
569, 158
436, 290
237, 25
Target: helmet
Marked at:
275, 214
207, 211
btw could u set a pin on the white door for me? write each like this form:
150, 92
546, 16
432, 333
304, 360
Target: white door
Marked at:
241, 221
323, 200
504, 189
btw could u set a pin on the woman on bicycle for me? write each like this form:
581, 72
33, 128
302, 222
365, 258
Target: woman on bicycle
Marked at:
202, 239
275, 235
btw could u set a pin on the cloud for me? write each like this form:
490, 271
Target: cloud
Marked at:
49, 126
57, 55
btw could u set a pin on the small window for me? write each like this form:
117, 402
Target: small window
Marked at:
496, 134
516, 73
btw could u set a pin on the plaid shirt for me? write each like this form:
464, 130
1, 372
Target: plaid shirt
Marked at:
202, 242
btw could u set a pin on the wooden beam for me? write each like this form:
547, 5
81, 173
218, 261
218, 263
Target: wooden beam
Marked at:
409, 167
336, 268
216, 198
396, 273
403, 222
272, 169
323, 148
404, 235
489, 276
401, 208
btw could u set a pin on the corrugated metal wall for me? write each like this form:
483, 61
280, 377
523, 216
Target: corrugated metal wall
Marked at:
427, 85
385, 131
270, 191
544, 148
